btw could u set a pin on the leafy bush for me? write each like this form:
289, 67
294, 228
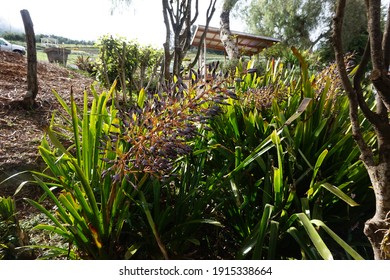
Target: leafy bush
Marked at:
85, 64
89, 213
105, 164
290, 159
260, 167
133, 65
12, 237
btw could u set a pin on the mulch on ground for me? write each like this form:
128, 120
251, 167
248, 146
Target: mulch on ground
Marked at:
21, 130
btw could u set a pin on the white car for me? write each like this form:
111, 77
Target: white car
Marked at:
7, 46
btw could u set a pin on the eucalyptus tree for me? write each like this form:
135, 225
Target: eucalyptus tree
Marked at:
226, 36
354, 31
294, 21
374, 64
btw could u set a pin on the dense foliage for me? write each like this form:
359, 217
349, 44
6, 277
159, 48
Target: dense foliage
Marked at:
132, 64
307, 24
293, 21
257, 166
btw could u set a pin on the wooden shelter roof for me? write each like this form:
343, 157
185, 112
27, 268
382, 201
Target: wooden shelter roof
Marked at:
248, 44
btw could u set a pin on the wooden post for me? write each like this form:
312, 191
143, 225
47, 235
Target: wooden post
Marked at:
205, 60
32, 79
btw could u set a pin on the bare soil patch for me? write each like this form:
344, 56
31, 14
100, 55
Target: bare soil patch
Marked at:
21, 130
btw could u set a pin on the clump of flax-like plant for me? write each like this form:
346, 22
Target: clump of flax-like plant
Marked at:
158, 131
262, 98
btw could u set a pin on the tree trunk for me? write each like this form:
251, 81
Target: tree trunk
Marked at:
209, 16
378, 226
32, 79
178, 20
166, 75
376, 160
228, 40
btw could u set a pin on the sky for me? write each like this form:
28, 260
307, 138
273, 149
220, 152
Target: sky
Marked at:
90, 19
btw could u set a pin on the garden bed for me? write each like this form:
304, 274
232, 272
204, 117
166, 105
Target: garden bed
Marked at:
21, 130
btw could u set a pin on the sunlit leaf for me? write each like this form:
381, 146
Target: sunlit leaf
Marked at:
339, 193
141, 98
317, 166
336, 238
318, 243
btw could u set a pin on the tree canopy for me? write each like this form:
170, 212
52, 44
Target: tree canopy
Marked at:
294, 21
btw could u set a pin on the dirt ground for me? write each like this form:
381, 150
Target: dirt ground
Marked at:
21, 130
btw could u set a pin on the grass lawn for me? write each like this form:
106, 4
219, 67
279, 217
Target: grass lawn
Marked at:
76, 51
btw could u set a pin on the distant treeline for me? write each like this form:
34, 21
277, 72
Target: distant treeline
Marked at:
14, 36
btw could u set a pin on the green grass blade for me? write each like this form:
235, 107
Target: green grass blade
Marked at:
71, 206
141, 98
273, 240
87, 147
132, 250
339, 193
263, 229
60, 208
302, 107
355, 255
57, 144
301, 242
90, 195
278, 172
315, 237
62, 102
54, 229
152, 225
235, 192
256, 239
49, 215
76, 132
317, 166
261, 149
278, 185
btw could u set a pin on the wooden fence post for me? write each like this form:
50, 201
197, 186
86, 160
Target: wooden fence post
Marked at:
32, 79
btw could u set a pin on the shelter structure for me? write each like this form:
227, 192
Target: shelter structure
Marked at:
49, 42
248, 44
